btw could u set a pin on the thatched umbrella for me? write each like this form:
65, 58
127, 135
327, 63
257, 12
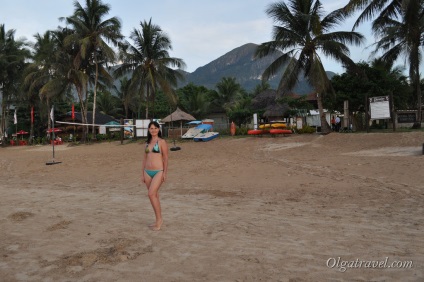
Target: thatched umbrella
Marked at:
178, 115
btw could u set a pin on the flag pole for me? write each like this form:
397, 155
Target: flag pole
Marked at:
53, 139
52, 117
15, 121
73, 120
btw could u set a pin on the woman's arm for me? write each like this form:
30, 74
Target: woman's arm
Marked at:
143, 166
164, 150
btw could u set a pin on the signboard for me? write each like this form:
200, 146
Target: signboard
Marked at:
380, 107
406, 117
299, 123
102, 129
128, 128
141, 125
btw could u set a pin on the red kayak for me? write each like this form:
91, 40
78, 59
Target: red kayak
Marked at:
257, 132
280, 131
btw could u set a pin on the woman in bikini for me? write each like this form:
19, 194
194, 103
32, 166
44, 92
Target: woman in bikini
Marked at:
155, 166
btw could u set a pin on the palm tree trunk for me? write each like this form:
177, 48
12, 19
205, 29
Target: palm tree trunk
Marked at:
49, 121
418, 89
83, 113
153, 102
31, 131
325, 128
3, 121
419, 112
93, 131
126, 111
147, 101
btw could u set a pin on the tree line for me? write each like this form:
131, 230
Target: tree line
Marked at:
86, 57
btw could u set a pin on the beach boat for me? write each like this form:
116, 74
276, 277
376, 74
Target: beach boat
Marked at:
257, 131
279, 125
207, 136
280, 131
265, 126
193, 132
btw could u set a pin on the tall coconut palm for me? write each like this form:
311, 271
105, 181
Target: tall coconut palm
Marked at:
399, 25
64, 75
108, 104
93, 33
13, 54
124, 94
149, 61
302, 33
40, 71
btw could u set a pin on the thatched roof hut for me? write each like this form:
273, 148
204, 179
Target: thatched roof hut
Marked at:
275, 110
178, 115
263, 99
266, 100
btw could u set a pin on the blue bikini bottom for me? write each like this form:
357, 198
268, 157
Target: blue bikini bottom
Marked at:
152, 173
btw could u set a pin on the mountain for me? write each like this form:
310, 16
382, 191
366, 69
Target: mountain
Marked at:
240, 64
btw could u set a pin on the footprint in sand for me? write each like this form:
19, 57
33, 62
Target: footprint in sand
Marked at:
20, 216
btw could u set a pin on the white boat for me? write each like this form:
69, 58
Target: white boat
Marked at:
193, 132
207, 136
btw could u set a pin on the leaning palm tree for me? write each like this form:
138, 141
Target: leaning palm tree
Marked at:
149, 61
399, 25
302, 33
92, 33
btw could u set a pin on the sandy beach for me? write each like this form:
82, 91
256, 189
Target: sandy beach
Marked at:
297, 208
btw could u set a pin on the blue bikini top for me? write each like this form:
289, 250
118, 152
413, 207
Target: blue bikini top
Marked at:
155, 149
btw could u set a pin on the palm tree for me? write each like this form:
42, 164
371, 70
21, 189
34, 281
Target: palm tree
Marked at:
13, 54
108, 103
149, 61
227, 91
64, 75
194, 99
302, 33
263, 86
240, 110
40, 71
92, 33
400, 28
124, 94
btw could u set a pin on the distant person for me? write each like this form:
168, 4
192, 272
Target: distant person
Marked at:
333, 123
155, 167
338, 123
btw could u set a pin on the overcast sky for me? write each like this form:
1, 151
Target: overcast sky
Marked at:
200, 30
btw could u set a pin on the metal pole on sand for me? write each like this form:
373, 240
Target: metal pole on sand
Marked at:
53, 138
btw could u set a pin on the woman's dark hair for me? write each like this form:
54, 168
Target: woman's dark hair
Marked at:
149, 136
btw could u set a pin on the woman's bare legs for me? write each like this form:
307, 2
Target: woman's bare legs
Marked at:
153, 185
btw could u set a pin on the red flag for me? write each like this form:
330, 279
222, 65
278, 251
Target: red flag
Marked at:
73, 111
32, 115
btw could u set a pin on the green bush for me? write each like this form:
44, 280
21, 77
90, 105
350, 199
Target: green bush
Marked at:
306, 129
101, 137
241, 130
